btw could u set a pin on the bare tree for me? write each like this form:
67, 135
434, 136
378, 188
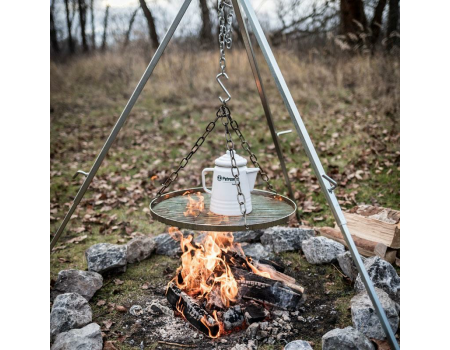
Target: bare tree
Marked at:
53, 31
206, 31
375, 25
92, 24
105, 28
353, 17
151, 23
130, 26
393, 28
82, 13
69, 28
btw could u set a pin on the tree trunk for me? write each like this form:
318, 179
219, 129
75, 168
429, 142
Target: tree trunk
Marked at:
393, 28
82, 12
92, 24
206, 37
53, 36
130, 26
105, 28
151, 24
353, 18
69, 28
377, 20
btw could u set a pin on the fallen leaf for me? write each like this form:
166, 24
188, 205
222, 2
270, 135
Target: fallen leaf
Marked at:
118, 282
318, 218
109, 345
145, 286
77, 239
121, 308
61, 247
108, 324
79, 229
101, 302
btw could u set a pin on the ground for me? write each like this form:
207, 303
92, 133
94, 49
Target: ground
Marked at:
350, 106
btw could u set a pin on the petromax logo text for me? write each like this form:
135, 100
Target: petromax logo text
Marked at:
224, 178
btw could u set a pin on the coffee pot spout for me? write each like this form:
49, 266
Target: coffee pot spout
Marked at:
251, 177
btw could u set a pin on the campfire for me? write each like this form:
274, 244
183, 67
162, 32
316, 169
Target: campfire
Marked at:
217, 289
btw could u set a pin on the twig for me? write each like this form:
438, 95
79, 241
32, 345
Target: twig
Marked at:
339, 271
177, 344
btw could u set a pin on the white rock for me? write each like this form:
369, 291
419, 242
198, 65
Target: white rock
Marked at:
365, 318
70, 310
319, 250
347, 265
348, 338
282, 239
298, 345
383, 276
140, 248
104, 257
86, 338
85, 283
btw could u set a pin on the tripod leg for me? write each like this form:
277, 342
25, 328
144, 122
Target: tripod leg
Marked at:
259, 85
317, 166
123, 117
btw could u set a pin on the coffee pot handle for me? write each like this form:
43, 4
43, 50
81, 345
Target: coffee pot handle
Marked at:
204, 179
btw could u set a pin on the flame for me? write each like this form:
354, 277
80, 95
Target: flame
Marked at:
205, 273
194, 207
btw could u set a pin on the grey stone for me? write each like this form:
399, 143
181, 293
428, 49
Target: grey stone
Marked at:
348, 338
347, 265
136, 310
298, 345
85, 283
233, 317
250, 236
140, 248
257, 251
86, 338
70, 310
365, 318
155, 308
320, 250
166, 245
252, 330
383, 276
106, 257
282, 239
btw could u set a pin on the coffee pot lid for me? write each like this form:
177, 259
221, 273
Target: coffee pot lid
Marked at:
225, 160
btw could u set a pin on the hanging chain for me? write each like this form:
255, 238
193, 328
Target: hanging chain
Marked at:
185, 160
245, 145
225, 13
224, 112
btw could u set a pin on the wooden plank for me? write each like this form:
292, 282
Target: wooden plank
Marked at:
377, 224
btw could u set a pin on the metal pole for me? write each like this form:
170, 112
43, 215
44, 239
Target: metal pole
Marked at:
327, 187
123, 117
259, 85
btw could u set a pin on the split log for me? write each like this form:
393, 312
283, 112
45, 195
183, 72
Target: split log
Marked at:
376, 224
192, 311
365, 247
267, 291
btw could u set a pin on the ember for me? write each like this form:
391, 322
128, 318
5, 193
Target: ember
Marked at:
215, 277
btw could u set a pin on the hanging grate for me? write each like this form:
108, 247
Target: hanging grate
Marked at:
269, 209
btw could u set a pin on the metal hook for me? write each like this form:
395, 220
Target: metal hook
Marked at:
80, 172
331, 181
223, 87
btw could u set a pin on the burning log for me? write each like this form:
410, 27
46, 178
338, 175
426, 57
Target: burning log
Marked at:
192, 311
267, 291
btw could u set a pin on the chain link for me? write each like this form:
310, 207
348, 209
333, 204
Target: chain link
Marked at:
226, 117
246, 146
225, 13
186, 159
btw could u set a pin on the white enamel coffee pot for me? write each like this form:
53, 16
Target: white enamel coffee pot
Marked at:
224, 193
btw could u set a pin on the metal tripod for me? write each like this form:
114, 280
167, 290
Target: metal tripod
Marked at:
327, 184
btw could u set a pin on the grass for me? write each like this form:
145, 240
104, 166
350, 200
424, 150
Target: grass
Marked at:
350, 106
